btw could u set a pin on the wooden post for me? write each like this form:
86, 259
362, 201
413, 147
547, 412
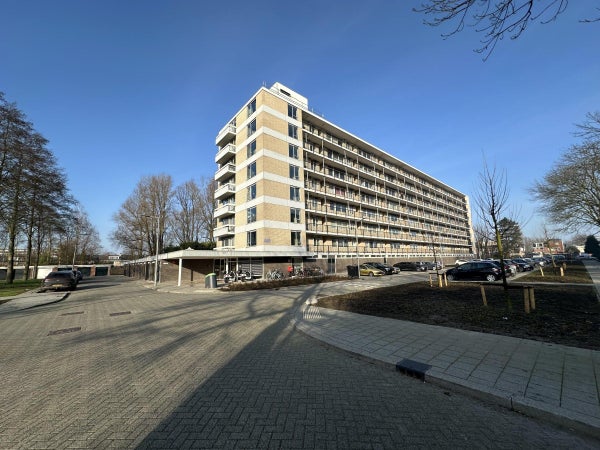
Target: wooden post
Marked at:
526, 299
531, 298
542, 270
562, 272
440, 281
430, 281
483, 295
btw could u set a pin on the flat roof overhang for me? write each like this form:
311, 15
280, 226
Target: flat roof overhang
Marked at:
218, 254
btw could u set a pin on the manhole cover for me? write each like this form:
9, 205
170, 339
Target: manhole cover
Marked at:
122, 313
64, 330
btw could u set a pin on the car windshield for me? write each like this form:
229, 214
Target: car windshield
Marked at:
58, 275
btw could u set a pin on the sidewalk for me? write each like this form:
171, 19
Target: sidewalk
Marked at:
550, 381
31, 299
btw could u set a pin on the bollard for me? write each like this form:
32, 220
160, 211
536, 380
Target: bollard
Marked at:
430, 281
562, 272
440, 281
526, 299
531, 298
483, 295
542, 270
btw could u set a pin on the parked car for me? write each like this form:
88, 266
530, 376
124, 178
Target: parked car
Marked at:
477, 270
59, 280
522, 265
431, 265
509, 267
370, 271
409, 265
386, 268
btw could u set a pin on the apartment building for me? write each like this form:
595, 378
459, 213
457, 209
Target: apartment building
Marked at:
295, 185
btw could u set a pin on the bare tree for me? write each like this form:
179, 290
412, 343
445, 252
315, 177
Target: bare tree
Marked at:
590, 128
495, 19
483, 243
208, 205
141, 220
491, 200
187, 224
570, 192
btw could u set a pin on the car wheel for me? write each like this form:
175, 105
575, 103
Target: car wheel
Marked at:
490, 277
451, 277
371, 274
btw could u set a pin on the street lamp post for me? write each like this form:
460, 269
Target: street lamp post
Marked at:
357, 253
156, 256
76, 239
156, 259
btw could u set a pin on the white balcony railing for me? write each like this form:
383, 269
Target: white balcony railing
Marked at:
224, 231
225, 153
227, 133
226, 170
224, 190
224, 210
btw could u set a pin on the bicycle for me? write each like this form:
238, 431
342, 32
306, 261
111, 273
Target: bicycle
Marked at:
274, 274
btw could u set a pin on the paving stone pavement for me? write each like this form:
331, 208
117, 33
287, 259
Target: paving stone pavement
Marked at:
116, 365
545, 380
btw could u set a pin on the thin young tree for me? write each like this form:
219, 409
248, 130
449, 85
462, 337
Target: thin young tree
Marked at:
491, 200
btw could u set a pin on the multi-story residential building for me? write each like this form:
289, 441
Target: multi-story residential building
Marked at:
293, 183
295, 189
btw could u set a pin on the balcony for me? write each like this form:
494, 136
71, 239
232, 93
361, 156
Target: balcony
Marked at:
225, 153
224, 210
227, 170
226, 134
225, 230
227, 189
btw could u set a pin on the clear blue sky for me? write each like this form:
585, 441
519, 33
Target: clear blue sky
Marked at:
124, 89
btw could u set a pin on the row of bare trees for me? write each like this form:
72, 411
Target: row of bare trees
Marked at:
37, 212
569, 195
157, 216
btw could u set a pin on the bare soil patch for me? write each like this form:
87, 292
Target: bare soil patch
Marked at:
564, 314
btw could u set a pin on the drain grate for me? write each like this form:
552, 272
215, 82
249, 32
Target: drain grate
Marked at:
412, 368
72, 313
64, 330
122, 313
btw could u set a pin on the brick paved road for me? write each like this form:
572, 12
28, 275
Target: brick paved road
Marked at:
116, 365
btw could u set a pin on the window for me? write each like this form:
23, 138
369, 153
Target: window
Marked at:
252, 127
251, 192
340, 242
251, 170
251, 214
338, 207
293, 151
292, 131
251, 149
292, 111
295, 238
295, 215
295, 193
251, 238
251, 107
294, 172
339, 174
